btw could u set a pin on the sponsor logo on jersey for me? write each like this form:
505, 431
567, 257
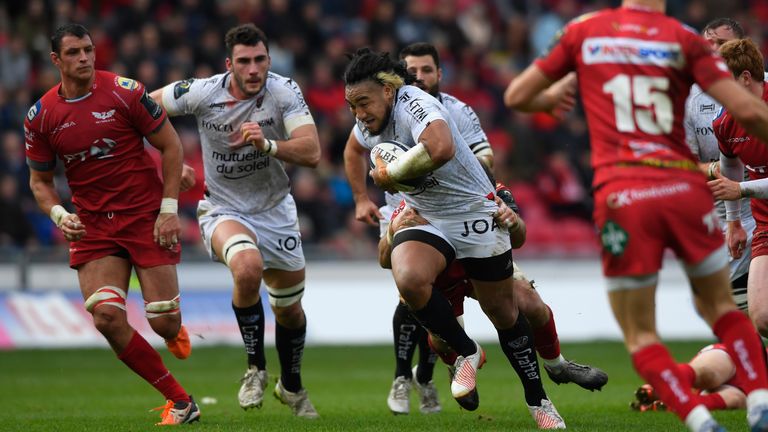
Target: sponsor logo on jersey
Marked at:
757, 169
614, 238
126, 83
182, 87
62, 126
34, 110
29, 136
607, 50
704, 131
635, 28
266, 122
707, 108
737, 139
253, 162
627, 197
416, 110
218, 127
99, 149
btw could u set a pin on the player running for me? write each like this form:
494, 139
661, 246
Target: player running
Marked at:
251, 121
635, 67
95, 122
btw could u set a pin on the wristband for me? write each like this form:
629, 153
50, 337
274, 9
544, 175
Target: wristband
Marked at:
271, 147
58, 213
169, 205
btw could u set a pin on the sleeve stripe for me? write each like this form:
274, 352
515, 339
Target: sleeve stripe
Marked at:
294, 122
41, 166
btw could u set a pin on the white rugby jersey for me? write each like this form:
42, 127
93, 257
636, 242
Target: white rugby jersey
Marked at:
700, 110
459, 186
245, 179
466, 122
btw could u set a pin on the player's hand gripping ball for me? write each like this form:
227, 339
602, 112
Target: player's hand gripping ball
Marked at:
390, 151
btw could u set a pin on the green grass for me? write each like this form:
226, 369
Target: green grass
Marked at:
90, 390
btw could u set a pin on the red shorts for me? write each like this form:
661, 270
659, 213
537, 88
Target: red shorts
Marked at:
638, 219
760, 240
455, 286
129, 235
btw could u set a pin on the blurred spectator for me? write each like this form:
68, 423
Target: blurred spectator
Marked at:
15, 230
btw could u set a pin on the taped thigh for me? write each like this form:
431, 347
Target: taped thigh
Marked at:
619, 283
284, 297
160, 308
106, 295
236, 244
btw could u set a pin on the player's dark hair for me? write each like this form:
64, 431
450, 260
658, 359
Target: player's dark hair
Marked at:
743, 55
419, 49
368, 65
245, 34
734, 25
71, 29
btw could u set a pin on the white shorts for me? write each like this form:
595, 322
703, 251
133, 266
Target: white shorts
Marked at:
386, 217
276, 231
471, 235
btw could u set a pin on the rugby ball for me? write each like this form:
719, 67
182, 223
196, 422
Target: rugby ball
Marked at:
390, 151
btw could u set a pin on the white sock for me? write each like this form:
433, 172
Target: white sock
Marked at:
756, 401
697, 418
556, 364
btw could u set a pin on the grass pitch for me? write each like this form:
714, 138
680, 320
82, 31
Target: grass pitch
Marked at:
90, 390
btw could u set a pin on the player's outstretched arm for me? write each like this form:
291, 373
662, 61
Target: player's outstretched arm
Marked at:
166, 140
44, 190
302, 148
532, 91
746, 108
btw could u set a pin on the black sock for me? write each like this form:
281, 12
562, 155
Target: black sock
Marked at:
406, 331
517, 344
290, 349
437, 316
250, 320
427, 360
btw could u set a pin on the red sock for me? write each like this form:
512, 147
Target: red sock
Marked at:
738, 334
545, 339
657, 367
448, 358
713, 401
146, 362
687, 374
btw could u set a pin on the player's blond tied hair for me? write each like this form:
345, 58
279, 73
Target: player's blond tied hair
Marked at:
390, 79
379, 67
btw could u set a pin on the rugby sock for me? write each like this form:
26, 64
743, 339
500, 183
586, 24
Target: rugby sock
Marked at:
407, 332
250, 320
146, 362
713, 401
687, 374
545, 339
290, 349
448, 358
427, 360
736, 332
657, 367
517, 344
437, 316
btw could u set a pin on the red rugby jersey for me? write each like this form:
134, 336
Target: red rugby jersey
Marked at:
99, 138
734, 141
635, 69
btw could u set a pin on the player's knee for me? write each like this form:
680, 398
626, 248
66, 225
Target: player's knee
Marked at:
247, 277
164, 316
290, 316
109, 321
412, 281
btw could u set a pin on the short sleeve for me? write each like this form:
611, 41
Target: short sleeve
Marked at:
295, 110
560, 58
40, 155
144, 113
182, 97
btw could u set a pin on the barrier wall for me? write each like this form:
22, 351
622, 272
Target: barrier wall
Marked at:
346, 303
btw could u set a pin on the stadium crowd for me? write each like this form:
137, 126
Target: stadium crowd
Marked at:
482, 45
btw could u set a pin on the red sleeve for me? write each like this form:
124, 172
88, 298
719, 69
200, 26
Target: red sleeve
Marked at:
559, 59
721, 127
144, 113
706, 65
40, 155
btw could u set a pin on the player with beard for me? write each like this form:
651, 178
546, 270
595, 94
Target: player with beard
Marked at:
95, 122
422, 60
251, 121
456, 199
